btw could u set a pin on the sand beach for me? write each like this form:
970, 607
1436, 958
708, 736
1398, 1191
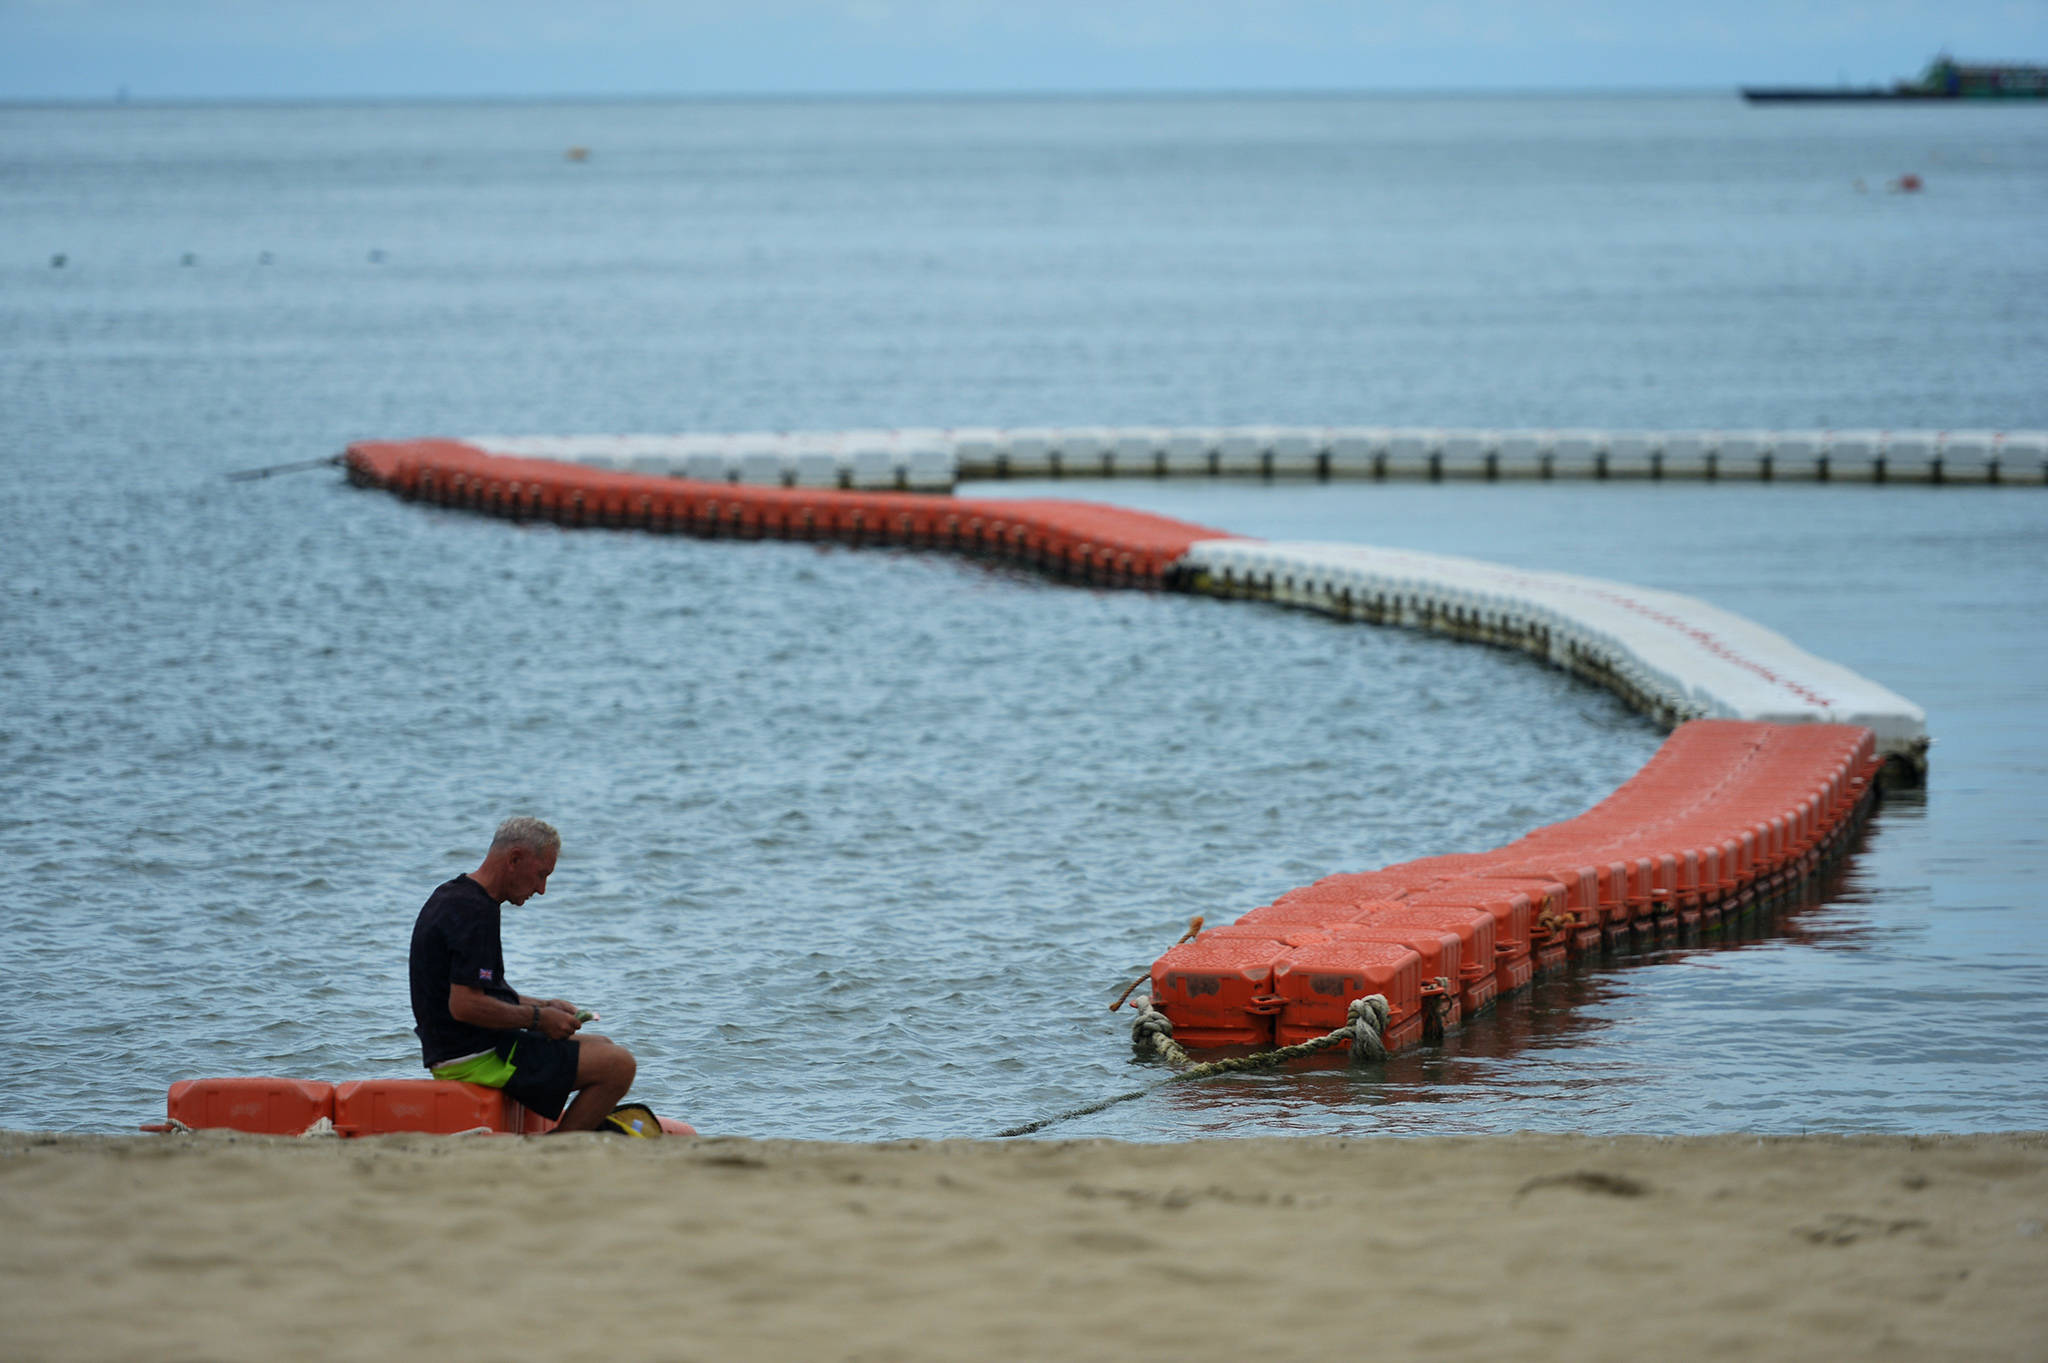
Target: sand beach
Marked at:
224, 1247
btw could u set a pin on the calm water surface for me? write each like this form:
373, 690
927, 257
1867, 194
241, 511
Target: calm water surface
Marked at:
859, 844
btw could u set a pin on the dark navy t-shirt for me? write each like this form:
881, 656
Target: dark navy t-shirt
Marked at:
455, 941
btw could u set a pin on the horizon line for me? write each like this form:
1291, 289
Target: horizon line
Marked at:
126, 100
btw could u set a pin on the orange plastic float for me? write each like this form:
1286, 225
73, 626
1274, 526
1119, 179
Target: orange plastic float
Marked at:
1078, 541
262, 1106
362, 1107
380, 1107
1726, 811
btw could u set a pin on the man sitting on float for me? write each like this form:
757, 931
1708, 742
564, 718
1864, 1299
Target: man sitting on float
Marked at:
473, 1026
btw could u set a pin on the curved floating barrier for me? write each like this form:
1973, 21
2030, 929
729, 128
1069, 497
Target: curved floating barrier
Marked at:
1773, 764
912, 460
1081, 541
1724, 816
1671, 656
931, 459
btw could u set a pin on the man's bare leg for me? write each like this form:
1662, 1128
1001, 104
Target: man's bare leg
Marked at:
604, 1071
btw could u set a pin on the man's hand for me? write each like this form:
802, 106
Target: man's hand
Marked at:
557, 1022
562, 1004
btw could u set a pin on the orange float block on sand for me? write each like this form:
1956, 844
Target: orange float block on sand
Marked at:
382, 1107
362, 1107
260, 1106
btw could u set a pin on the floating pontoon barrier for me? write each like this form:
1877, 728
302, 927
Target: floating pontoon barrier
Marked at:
1725, 815
1079, 541
878, 461
933, 459
1671, 656
1732, 810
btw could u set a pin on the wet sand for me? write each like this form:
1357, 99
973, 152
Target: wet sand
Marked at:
226, 1247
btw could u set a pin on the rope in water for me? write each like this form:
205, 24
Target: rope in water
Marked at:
1153, 1033
296, 466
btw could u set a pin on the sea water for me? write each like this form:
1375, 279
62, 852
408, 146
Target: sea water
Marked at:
861, 844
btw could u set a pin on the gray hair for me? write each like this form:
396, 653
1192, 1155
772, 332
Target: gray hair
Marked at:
532, 834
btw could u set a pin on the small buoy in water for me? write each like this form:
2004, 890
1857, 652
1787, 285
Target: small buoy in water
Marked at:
376, 257
57, 261
188, 259
1907, 184
578, 153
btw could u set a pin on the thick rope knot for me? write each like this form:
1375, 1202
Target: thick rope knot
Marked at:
1368, 1024
1150, 1022
1152, 1032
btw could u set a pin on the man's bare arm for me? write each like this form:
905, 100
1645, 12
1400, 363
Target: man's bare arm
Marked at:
479, 1009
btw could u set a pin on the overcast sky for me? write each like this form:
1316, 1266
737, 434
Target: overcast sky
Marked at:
91, 49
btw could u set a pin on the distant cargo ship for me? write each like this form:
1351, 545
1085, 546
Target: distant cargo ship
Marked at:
1944, 78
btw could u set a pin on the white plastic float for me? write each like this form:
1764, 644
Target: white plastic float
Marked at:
1672, 656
